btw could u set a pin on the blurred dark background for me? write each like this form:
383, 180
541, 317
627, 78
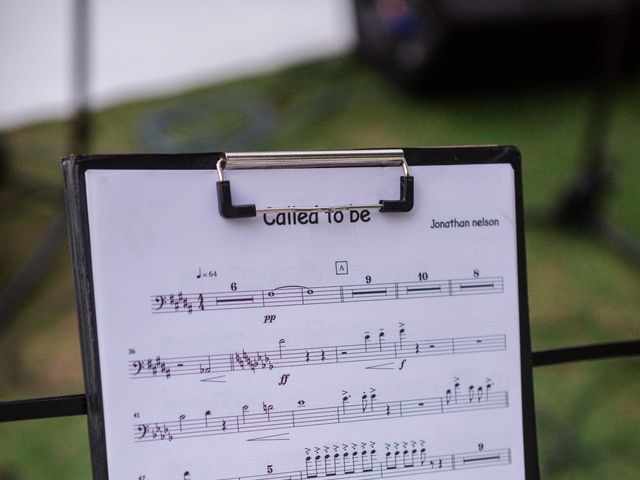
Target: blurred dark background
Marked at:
426, 45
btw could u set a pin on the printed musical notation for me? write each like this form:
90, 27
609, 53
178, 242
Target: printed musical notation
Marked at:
374, 347
294, 295
369, 408
233, 373
398, 460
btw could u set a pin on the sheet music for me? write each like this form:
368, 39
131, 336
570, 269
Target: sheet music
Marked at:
301, 346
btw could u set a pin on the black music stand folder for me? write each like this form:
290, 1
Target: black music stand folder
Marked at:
297, 315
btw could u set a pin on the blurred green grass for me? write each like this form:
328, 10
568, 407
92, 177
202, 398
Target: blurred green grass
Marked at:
588, 414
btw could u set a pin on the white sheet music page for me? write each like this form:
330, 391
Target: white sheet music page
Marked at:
295, 346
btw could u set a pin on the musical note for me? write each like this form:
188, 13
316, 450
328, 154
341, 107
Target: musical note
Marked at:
368, 457
312, 356
345, 460
370, 409
388, 461
366, 399
311, 468
206, 369
448, 393
345, 399
267, 409
405, 454
330, 463
245, 408
293, 295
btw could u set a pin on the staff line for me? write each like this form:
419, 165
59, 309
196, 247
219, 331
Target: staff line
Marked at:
297, 357
291, 295
347, 413
380, 469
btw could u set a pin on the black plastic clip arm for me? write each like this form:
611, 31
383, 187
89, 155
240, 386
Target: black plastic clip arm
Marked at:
405, 204
225, 204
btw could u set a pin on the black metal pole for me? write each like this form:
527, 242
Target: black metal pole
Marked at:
581, 204
80, 77
31, 271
